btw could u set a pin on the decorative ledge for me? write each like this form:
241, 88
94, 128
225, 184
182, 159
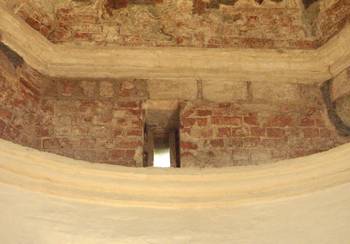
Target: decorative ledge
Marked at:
175, 188
302, 66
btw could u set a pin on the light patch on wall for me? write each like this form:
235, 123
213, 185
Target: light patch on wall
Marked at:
161, 158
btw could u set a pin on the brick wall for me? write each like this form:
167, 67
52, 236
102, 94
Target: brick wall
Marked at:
257, 129
98, 121
332, 19
39, 14
19, 100
197, 23
180, 25
222, 123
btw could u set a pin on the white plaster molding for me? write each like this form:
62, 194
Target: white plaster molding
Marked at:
302, 66
172, 188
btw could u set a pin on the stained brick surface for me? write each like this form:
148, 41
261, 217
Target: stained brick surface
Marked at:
333, 19
190, 23
19, 103
103, 120
258, 131
99, 121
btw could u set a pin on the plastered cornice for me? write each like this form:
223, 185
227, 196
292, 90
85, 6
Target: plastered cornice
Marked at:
171, 188
57, 60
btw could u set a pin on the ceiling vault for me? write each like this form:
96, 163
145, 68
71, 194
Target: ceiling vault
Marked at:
64, 60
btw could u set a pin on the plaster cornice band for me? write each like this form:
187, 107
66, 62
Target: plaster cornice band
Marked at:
55, 60
186, 188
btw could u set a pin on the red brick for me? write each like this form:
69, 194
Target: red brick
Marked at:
117, 132
187, 113
188, 145
227, 120
186, 131
237, 142
188, 122
127, 89
135, 112
274, 142
224, 132
186, 154
116, 4
134, 133
11, 133
5, 114
2, 126
201, 121
42, 131
47, 106
257, 131
66, 88
250, 142
281, 153
280, 121
83, 35
121, 122
102, 156
204, 112
199, 7
137, 123
326, 133
217, 143
18, 102
311, 132
117, 154
240, 132
125, 143
127, 105
33, 23
29, 97
130, 153
49, 143
204, 132
307, 122
251, 119
298, 152
87, 143
88, 155
320, 122
87, 106
29, 86
275, 132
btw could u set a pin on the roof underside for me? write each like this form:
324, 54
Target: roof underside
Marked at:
292, 24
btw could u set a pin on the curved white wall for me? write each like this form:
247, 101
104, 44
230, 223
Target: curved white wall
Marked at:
45, 198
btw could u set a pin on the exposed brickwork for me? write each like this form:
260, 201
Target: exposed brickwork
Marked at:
19, 102
103, 120
99, 121
242, 132
197, 23
39, 14
184, 24
332, 19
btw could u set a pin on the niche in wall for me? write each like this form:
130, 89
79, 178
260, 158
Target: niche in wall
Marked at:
161, 147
